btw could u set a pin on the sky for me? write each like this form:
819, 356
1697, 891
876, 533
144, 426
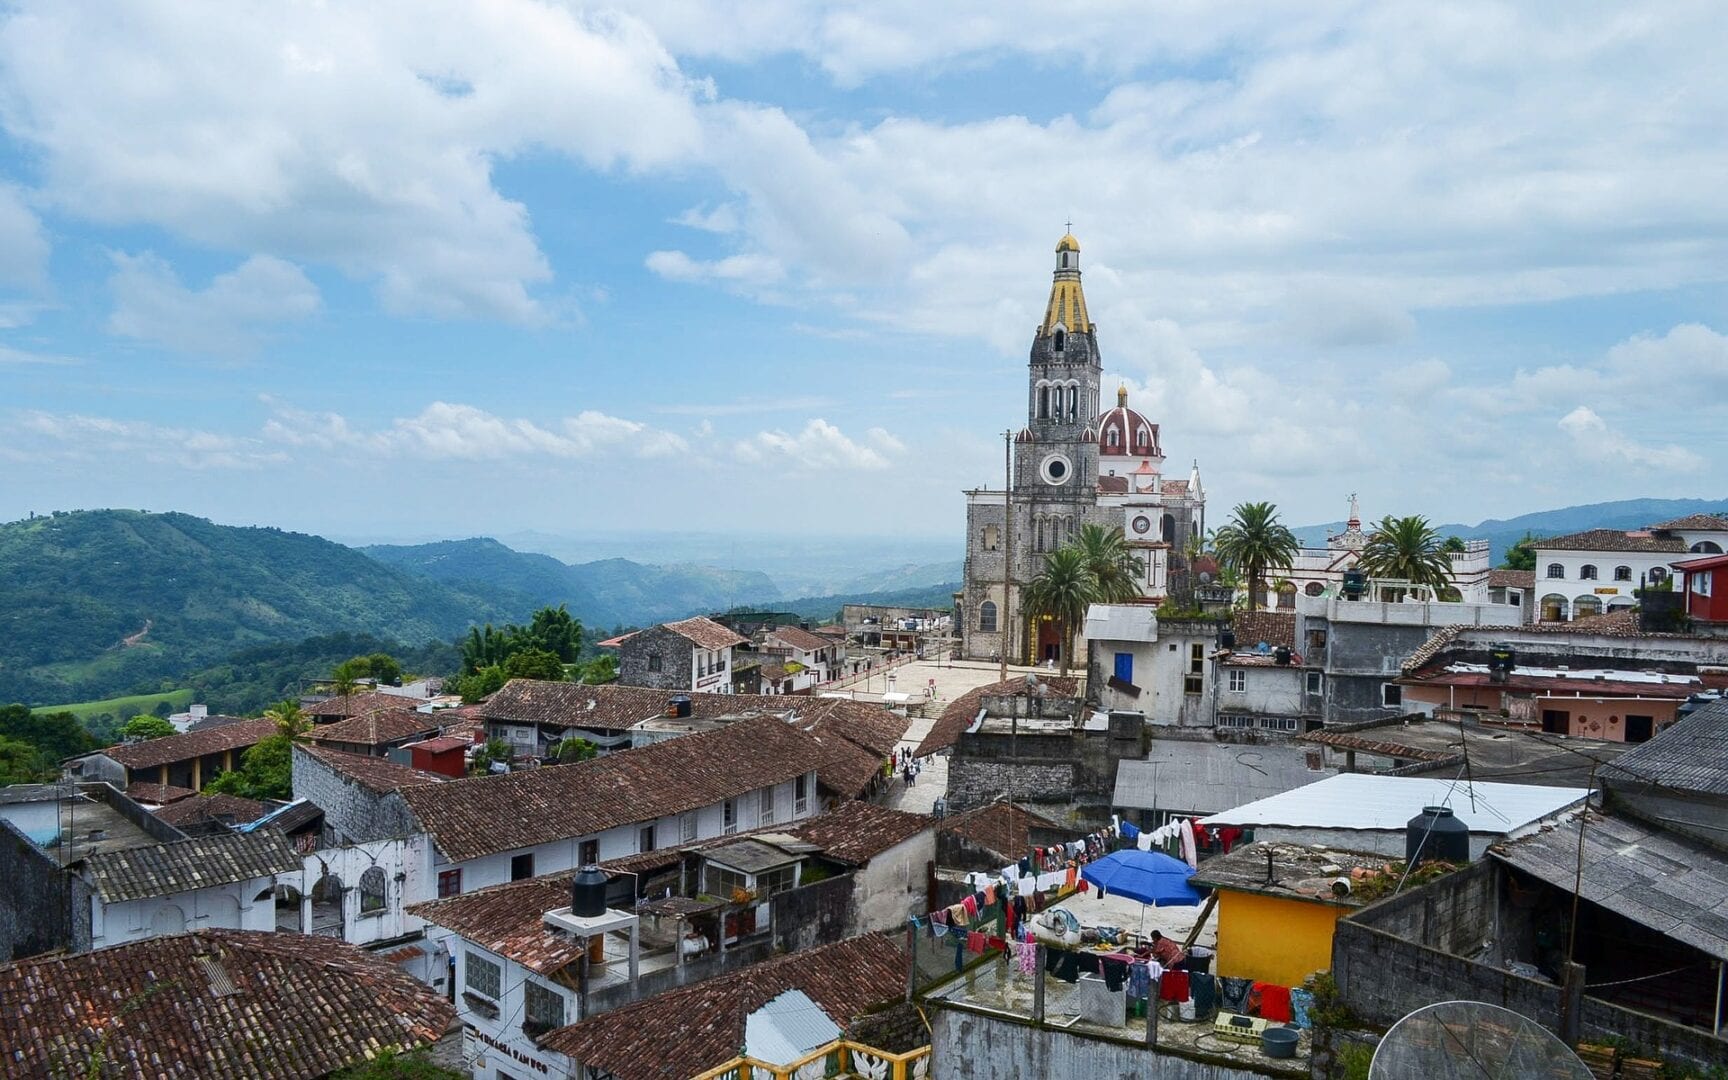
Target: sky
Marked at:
444, 269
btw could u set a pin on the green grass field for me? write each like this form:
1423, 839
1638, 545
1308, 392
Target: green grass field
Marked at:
121, 706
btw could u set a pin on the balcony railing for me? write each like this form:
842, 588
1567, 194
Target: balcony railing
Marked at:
838, 1058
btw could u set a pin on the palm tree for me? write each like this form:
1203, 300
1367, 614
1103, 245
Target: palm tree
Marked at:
1407, 549
1064, 591
1111, 562
289, 721
1253, 543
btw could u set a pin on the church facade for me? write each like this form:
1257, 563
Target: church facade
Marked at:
1073, 464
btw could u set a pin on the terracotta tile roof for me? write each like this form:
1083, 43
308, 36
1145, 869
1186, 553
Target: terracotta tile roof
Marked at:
574, 705
375, 774
214, 720
799, 638
354, 704
215, 1005
1611, 540
159, 794
210, 807
1345, 740
376, 728
1512, 579
1000, 827
960, 712
440, 743
871, 726
481, 815
1695, 523
856, 832
1275, 628
1113, 485
138, 873
1175, 487
172, 748
846, 767
705, 1021
506, 919
705, 632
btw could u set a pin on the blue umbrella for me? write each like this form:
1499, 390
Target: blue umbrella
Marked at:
1150, 877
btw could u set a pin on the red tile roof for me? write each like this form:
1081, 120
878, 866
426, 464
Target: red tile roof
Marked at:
706, 633
1275, 628
216, 1005
506, 919
960, 712
441, 743
1695, 523
799, 638
1611, 540
574, 705
857, 832
377, 728
375, 774
210, 807
159, 794
1512, 579
173, 748
481, 815
684, 1032
1000, 827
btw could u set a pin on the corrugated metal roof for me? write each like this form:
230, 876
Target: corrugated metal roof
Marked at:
1367, 802
1671, 885
787, 1028
1688, 756
1206, 777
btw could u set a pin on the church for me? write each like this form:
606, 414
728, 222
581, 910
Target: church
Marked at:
1074, 464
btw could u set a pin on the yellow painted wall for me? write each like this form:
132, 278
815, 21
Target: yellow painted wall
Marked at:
1274, 940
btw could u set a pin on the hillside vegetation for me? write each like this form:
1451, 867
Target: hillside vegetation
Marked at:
608, 592
101, 602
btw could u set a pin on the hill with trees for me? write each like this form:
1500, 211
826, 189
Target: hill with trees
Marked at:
99, 602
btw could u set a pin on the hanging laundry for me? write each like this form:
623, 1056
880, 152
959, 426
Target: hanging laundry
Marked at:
1188, 853
974, 942
1139, 981
1233, 994
1115, 973
970, 904
1173, 986
1204, 989
1274, 1001
1130, 831
1301, 1001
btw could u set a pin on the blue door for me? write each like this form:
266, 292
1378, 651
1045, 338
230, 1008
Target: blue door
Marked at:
1125, 667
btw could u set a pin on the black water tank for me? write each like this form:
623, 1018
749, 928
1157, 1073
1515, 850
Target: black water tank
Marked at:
588, 892
678, 706
1448, 839
1355, 583
1501, 660
1281, 655
1227, 638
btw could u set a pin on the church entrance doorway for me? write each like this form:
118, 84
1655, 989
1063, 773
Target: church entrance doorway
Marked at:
1049, 641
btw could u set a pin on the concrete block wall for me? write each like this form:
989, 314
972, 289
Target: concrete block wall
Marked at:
969, 1046
973, 783
1456, 914
1382, 978
352, 814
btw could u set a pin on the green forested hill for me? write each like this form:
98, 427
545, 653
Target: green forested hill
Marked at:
96, 602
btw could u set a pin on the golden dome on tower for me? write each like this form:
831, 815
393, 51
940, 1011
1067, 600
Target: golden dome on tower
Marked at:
1067, 243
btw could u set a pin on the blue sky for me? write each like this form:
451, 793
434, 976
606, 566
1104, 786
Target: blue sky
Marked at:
458, 268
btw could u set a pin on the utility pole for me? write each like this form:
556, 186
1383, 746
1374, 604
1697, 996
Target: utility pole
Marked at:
1007, 625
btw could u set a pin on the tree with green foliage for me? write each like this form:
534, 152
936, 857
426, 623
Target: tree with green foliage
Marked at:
164, 709
478, 686
21, 763
495, 750
1407, 549
1454, 545
141, 727
600, 670
1253, 544
556, 631
1522, 555
1063, 591
534, 664
391, 1065
572, 749
267, 769
290, 722
56, 735
1116, 570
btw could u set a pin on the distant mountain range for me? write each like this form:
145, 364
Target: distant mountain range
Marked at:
100, 602
1503, 533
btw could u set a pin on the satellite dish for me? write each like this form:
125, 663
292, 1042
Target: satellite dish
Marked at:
1472, 1040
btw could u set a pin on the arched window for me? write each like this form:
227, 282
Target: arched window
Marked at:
1622, 573
1112, 437
1143, 440
987, 617
1587, 572
1073, 400
992, 537
1707, 547
1555, 570
1043, 403
372, 886
1657, 573
1167, 530
1061, 338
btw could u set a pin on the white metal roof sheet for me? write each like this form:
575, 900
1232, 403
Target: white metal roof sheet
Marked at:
1368, 802
787, 1028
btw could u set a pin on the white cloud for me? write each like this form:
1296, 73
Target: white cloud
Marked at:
446, 431
734, 269
227, 317
23, 244
359, 137
820, 446
1596, 440
21, 357
84, 438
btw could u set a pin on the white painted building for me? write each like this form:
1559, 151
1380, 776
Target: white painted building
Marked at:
1160, 670
226, 881
1599, 570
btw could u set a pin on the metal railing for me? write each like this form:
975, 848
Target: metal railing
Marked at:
839, 1058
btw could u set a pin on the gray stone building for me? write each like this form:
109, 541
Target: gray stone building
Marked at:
1073, 465
691, 654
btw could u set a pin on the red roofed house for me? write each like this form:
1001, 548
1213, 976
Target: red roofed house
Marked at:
186, 761
1704, 582
692, 655
807, 659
